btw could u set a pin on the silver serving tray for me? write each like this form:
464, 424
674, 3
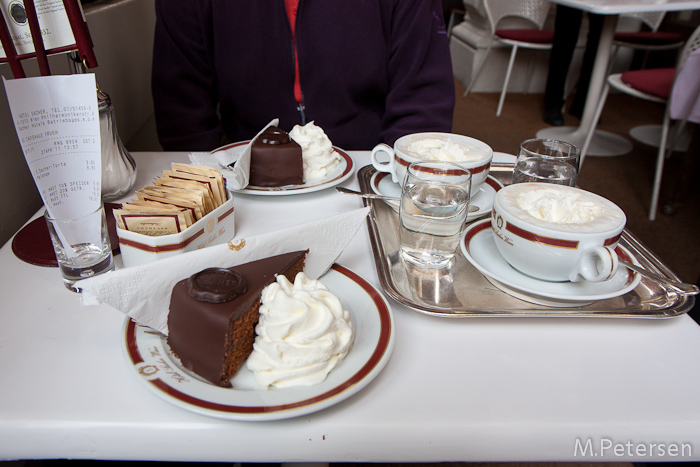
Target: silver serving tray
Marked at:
463, 292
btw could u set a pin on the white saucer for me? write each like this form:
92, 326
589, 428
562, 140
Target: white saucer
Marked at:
341, 173
382, 185
480, 250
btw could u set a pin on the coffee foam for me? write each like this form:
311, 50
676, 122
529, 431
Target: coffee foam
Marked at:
576, 210
435, 147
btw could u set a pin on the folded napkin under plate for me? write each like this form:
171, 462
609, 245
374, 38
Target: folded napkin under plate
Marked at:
143, 292
237, 177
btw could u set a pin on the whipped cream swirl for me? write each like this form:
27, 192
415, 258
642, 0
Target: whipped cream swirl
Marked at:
446, 149
559, 207
320, 159
302, 335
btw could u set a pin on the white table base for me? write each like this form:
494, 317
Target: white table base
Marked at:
603, 143
651, 136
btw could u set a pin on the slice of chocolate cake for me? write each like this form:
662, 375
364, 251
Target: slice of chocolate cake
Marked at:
275, 160
212, 318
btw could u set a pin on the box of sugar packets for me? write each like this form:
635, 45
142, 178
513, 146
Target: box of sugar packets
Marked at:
185, 209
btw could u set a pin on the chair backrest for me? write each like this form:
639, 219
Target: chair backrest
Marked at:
535, 11
25, 15
652, 19
691, 45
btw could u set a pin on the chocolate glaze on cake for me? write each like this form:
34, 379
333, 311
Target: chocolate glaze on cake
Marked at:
211, 333
275, 160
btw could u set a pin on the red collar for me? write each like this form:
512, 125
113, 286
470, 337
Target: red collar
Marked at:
291, 7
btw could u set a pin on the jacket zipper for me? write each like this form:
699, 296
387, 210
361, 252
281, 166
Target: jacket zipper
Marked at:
300, 102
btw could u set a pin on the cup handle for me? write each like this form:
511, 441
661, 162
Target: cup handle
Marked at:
384, 166
595, 265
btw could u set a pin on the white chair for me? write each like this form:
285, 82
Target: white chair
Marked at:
467, 13
647, 40
454, 14
655, 85
535, 11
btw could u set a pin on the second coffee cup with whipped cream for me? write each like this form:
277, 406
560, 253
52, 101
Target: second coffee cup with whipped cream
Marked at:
557, 233
469, 153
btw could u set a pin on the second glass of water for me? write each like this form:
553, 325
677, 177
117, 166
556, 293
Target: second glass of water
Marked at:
81, 245
547, 161
433, 212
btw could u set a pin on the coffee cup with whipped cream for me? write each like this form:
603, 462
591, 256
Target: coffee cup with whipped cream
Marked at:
557, 233
469, 153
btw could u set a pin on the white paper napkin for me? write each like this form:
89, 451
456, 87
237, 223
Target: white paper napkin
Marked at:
237, 176
143, 292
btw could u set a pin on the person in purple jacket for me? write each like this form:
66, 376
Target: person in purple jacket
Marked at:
366, 71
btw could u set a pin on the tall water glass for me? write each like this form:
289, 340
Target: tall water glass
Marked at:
547, 161
82, 246
433, 211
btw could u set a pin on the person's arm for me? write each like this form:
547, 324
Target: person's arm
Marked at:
421, 92
183, 83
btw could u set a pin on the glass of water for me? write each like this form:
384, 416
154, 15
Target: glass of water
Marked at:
547, 161
82, 246
433, 211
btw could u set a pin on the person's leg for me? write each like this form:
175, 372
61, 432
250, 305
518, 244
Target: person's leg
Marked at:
566, 28
595, 27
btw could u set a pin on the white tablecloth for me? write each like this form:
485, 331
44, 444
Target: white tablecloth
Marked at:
454, 389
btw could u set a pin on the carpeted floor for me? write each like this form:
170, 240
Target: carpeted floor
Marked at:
626, 180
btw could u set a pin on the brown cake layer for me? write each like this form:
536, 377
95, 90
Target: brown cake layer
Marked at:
214, 339
275, 160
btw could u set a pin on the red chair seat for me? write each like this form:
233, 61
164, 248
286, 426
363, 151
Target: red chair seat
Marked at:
655, 81
649, 37
534, 36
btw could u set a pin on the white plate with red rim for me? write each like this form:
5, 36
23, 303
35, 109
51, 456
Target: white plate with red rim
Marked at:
481, 251
341, 173
381, 184
160, 371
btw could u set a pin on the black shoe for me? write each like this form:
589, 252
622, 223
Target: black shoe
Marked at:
553, 117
